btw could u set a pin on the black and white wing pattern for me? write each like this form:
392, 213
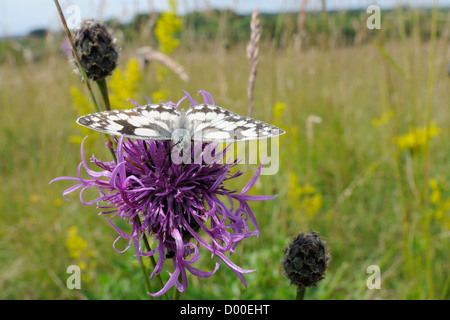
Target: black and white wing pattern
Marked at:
204, 122
150, 122
210, 123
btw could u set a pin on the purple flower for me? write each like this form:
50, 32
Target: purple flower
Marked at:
183, 206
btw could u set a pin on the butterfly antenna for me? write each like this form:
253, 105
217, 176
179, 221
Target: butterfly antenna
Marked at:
157, 155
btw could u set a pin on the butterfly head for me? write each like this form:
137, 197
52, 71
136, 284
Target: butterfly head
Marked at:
181, 137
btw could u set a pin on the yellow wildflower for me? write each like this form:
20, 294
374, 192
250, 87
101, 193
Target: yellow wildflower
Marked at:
311, 200
77, 248
124, 84
436, 194
383, 119
440, 202
75, 244
303, 198
278, 110
416, 139
167, 26
82, 256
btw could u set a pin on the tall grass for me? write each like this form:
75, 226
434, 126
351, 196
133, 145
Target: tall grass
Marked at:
375, 206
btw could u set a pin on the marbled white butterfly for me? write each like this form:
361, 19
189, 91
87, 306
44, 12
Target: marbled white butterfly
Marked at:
203, 123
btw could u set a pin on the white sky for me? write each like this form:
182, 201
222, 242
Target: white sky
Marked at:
18, 17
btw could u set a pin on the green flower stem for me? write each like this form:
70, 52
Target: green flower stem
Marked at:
176, 293
300, 293
104, 91
102, 86
152, 259
147, 280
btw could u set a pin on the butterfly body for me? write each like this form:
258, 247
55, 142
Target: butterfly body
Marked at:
204, 122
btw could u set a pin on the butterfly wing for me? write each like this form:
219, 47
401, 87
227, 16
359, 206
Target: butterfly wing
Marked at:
150, 122
211, 123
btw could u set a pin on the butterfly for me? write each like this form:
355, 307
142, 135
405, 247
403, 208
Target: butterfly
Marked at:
200, 123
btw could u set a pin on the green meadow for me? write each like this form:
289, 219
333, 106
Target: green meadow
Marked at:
364, 161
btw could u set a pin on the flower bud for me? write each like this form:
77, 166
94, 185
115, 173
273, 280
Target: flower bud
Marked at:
305, 260
96, 48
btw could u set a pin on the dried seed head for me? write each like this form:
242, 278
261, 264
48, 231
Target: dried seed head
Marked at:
96, 48
305, 260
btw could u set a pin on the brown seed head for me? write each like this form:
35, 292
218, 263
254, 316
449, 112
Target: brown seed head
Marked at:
96, 48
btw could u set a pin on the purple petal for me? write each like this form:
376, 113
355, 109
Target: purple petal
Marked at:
207, 97
134, 103
191, 100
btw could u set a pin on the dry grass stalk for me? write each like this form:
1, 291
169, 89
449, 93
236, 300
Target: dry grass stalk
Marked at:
299, 38
252, 55
301, 17
147, 54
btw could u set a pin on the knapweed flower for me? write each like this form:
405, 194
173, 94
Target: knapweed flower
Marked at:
184, 206
305, 260
96, 48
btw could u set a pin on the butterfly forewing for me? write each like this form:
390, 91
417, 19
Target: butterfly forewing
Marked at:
150, 122
212, 123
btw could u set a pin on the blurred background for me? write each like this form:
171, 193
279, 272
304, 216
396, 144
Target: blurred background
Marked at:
365, 161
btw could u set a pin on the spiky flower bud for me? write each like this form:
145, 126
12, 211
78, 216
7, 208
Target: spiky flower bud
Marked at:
96, 48
305, 260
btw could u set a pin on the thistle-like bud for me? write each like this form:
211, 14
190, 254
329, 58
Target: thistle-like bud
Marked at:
305, 260
96, 48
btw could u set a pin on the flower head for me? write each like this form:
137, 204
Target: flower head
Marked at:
167, 26
417, 138
96, 48
305, 260
184, 206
